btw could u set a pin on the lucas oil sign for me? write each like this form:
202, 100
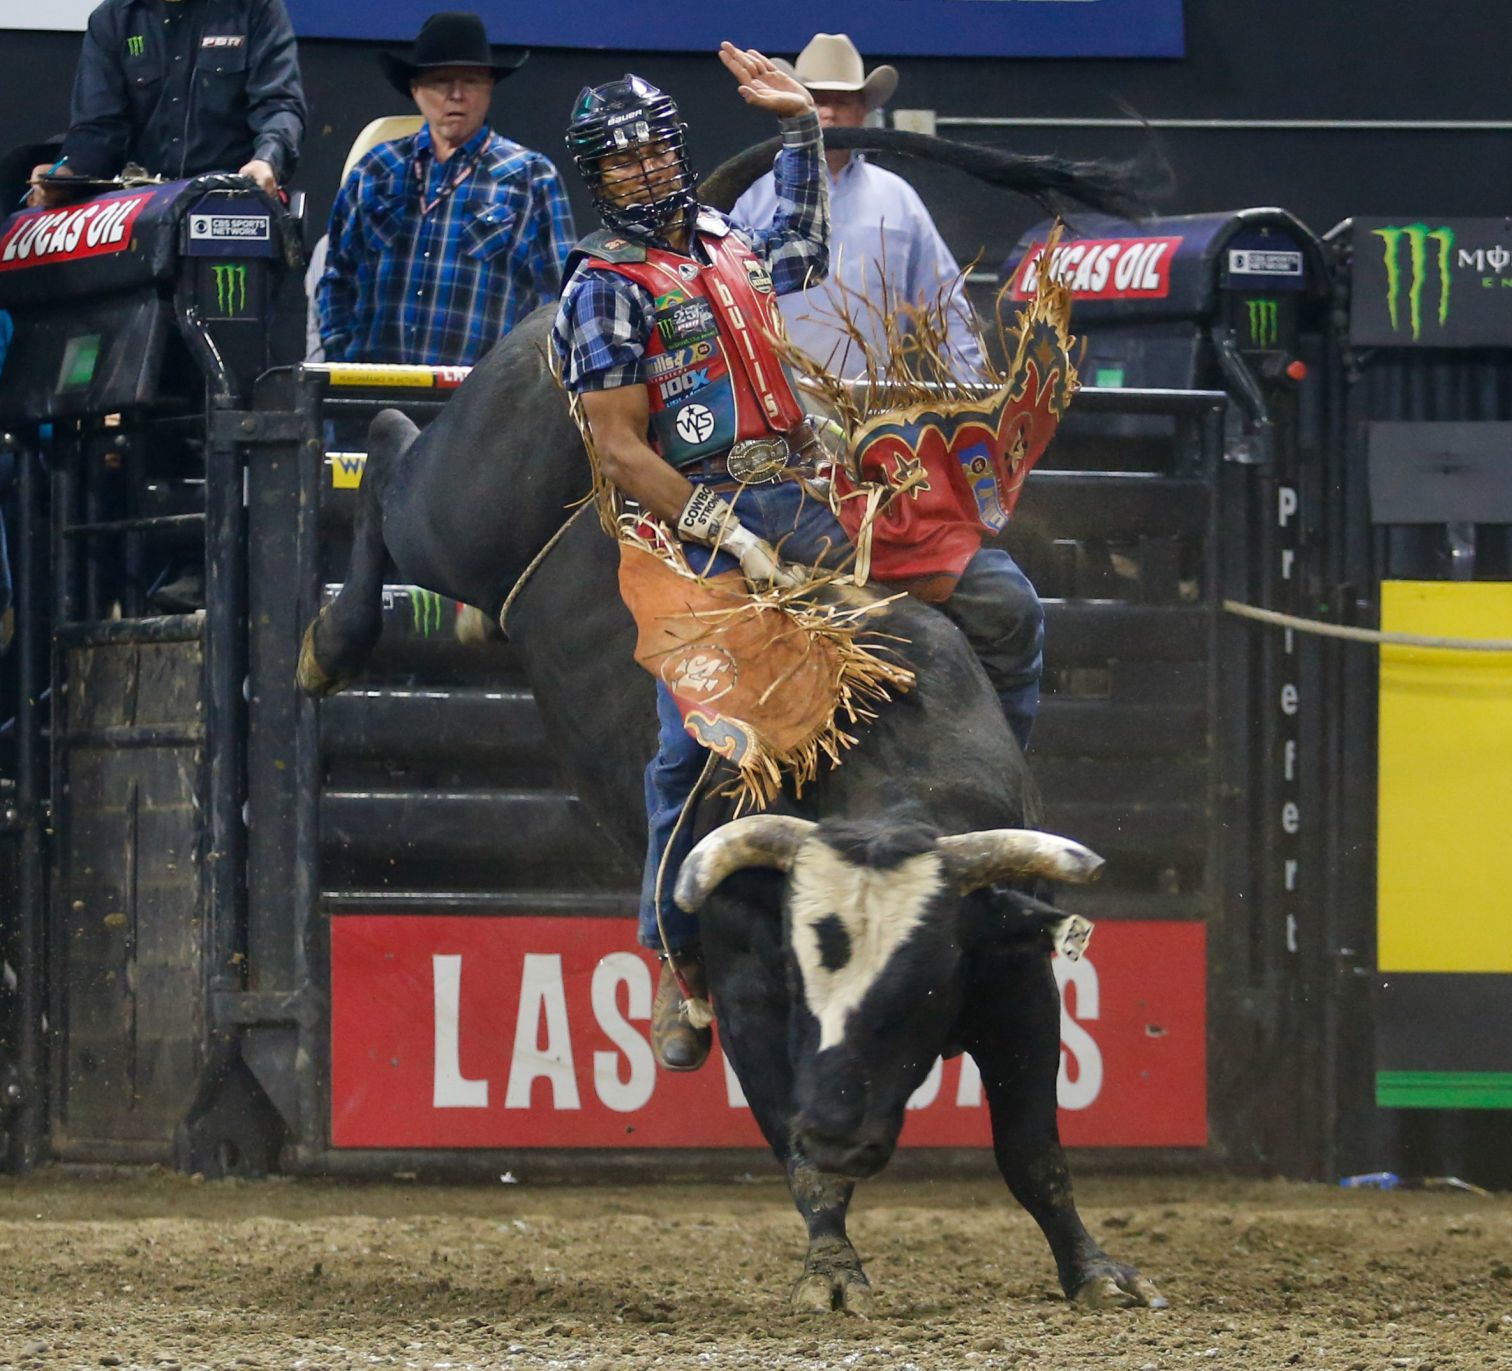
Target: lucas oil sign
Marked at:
42, 237
533, 1032
1103, 268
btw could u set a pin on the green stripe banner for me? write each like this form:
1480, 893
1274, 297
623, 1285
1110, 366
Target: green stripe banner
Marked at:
1444, 1089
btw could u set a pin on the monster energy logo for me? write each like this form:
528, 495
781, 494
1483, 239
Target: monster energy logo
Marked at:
425, 612
1417, 237
1264, 323
231, 289
135, 45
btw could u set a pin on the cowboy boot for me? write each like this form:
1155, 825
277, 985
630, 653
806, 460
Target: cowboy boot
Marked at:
677, 1044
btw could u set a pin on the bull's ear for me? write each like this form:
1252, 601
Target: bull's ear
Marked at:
1024, 915
973, 860
1070, 936
770, 840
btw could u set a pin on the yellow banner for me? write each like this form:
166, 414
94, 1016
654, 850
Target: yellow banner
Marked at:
346, 469
1444, 902
410, 378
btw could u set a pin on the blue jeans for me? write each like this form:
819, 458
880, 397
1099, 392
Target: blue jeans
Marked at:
994, 606
803, 530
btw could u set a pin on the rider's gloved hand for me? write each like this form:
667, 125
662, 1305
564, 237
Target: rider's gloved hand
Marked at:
709, 520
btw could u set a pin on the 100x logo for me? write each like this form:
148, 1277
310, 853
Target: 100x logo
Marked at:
1415, 256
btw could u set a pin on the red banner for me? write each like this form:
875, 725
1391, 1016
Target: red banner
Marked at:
1104, 268
532, 1032
43, 236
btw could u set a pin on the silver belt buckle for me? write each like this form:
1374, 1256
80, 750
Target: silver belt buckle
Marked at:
753, 460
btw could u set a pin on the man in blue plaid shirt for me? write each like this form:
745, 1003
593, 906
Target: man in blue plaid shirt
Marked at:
441, 242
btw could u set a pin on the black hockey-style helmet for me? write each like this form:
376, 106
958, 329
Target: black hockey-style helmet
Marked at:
620, 116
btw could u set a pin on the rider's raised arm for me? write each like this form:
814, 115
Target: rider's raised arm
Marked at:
795, 245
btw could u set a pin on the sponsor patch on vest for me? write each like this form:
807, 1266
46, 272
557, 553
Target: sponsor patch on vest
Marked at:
684, 383
695, 423
669, 363
761, 278
223, 40
689, 322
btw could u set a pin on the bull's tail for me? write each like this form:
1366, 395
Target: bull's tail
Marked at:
1124, 190
341, 638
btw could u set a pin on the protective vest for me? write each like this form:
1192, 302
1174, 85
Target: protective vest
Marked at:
713, 375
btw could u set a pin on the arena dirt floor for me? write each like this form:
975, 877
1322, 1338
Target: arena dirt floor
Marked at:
161, 1271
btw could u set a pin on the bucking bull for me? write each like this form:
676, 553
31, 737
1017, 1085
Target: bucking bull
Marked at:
891, 915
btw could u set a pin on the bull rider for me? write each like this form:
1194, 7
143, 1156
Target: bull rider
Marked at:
662, 335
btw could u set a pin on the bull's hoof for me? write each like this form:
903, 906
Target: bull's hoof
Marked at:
474, 627
309, 675
1117, 1287
833, 1283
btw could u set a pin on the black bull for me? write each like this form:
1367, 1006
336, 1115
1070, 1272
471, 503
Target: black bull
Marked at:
463, 510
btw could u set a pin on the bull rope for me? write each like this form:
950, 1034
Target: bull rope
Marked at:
1379, 637
535, 561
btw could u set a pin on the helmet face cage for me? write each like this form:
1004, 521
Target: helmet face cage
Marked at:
626, 117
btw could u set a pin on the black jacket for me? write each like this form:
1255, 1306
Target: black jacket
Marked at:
186, 86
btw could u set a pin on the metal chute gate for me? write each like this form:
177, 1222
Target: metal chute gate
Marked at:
140, 317
217, 877
1418, 539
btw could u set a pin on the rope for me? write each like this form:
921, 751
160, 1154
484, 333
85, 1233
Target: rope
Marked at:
534, 563
699, 1013
1365, 635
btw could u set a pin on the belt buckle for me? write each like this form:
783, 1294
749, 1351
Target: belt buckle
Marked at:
754, 460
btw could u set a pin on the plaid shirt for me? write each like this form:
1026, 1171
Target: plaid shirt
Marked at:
440, 286
605, 319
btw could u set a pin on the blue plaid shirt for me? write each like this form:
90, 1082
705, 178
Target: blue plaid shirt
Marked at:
440, 286
605, 319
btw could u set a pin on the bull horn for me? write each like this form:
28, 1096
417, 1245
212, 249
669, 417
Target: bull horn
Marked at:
760, 840
973, 860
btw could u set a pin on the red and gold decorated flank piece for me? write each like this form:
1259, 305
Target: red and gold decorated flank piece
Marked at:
929, 479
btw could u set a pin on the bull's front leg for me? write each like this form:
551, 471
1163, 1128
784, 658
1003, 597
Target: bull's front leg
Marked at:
833, 1278
744, 962
1013, 1032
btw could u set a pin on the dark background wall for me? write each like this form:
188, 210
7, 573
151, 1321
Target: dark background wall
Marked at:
1288, 59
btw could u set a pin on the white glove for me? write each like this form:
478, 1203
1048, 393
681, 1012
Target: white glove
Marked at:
707, 519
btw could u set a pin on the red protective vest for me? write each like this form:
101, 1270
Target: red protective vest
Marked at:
713, 375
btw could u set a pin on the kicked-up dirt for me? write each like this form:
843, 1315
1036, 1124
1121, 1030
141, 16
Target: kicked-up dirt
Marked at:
154, 1270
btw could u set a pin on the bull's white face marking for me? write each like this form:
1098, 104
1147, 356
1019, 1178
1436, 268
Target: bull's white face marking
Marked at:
876, 910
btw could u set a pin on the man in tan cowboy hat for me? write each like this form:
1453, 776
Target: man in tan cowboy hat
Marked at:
876, 218
442, 241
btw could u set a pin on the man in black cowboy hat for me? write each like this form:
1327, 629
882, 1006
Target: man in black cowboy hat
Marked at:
182, 87
442, 241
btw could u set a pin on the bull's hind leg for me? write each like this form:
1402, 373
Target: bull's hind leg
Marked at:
1014, 1035
341, 638
744, 965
